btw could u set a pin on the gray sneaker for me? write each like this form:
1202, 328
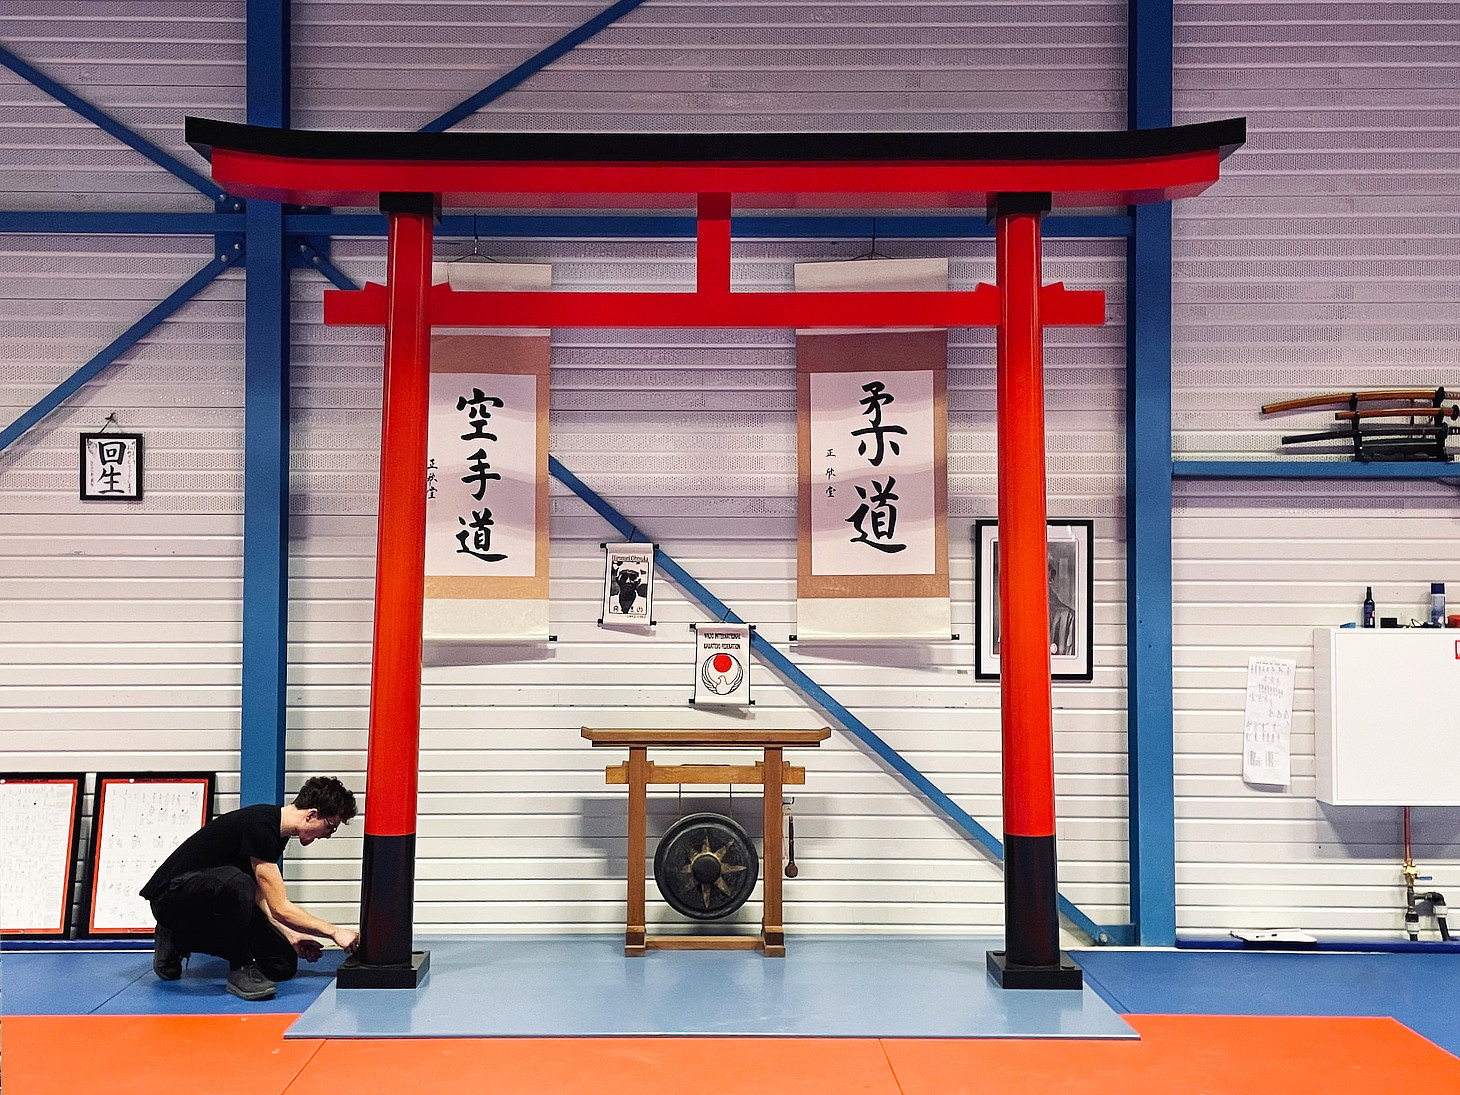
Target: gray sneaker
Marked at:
248, 983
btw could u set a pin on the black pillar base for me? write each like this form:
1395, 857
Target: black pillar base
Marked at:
1010, 975
355, 974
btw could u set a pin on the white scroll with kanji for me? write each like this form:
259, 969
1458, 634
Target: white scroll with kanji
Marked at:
487, 489
872, 429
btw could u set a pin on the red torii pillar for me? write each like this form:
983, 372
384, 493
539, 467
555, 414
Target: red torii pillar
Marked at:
1031, 958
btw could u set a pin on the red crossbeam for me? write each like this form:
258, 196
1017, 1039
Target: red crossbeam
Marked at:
930, 184
980, 308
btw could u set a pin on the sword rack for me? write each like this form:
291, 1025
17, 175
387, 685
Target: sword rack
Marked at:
771, 773
1391, 424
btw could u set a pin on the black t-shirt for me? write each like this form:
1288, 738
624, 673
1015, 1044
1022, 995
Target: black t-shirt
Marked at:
230, 840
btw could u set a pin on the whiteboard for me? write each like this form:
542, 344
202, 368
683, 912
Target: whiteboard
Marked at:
139, 821
39, 815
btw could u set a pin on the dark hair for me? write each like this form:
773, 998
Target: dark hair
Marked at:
327, 795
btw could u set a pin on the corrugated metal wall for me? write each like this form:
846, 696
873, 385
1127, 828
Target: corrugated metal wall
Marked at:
120, 645
1327, 258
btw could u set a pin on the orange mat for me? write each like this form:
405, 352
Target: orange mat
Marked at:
1177, 1055
151, 1054
1190, 1055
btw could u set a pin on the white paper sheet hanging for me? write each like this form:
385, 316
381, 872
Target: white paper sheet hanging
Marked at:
1267, 722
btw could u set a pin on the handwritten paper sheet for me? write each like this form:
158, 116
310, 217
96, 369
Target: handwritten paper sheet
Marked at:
1268, 722
141, 825
35, 858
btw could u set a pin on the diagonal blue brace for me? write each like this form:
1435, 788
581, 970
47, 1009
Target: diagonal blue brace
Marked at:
118, 346
534, 64
307, 255
812, 691
105, 121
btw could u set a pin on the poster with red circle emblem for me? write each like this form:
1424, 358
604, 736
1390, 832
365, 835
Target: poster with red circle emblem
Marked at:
722, 665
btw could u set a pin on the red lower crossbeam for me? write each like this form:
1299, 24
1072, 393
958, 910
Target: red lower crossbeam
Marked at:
977, 308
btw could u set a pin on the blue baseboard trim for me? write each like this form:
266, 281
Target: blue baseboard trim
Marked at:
1341, 946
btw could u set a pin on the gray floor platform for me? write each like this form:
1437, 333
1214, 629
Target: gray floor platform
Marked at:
826, 986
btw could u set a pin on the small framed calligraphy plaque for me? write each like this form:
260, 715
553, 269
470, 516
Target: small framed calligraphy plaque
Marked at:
111, 467
1071, 599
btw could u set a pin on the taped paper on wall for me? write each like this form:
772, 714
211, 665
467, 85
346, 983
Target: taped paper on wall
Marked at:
1268, 722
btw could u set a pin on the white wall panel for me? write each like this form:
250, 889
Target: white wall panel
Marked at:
1326, 259
692, 435
698, 66
147, 64
121, 632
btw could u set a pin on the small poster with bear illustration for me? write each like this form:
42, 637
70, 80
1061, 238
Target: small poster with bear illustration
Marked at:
628, 585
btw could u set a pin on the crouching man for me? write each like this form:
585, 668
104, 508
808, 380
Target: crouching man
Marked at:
221, 892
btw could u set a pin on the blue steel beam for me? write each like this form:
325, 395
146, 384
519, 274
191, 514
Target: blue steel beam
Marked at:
568, 226
65, 222
263, 700
119, 346
664, 226
534, 64
1150, 731
98, 117
813, 692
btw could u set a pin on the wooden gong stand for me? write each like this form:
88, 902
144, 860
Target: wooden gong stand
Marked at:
771, 773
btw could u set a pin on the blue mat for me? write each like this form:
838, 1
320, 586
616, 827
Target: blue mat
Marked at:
1417, 989
843, 986
62, 982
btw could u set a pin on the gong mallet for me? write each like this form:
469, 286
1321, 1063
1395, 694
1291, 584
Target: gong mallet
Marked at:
791, 869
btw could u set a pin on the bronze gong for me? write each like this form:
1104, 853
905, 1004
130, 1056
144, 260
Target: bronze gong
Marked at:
705, 866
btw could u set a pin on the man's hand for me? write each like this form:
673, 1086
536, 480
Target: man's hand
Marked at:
346, 940
307, 948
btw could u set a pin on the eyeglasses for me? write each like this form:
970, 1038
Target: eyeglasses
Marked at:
332, 825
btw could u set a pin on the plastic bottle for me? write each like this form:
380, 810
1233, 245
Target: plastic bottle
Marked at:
1437, 604
1369, 606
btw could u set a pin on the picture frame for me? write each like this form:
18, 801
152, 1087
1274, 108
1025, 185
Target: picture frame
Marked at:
137, 820
111, 467
1071, 548
40, 813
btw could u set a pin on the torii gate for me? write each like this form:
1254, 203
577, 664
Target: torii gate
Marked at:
1017, 177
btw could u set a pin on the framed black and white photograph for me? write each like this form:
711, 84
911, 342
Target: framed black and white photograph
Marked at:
111, 467
1071, 599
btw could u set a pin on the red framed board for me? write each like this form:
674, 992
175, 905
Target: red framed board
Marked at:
40, 815
138, 819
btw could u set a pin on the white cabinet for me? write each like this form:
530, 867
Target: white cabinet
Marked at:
1387, 705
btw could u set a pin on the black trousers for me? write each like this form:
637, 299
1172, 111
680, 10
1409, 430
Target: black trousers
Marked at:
216, 912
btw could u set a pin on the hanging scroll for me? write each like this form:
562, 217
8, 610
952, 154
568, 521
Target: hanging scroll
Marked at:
487, 484
872, 439
628, 585
722, 665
